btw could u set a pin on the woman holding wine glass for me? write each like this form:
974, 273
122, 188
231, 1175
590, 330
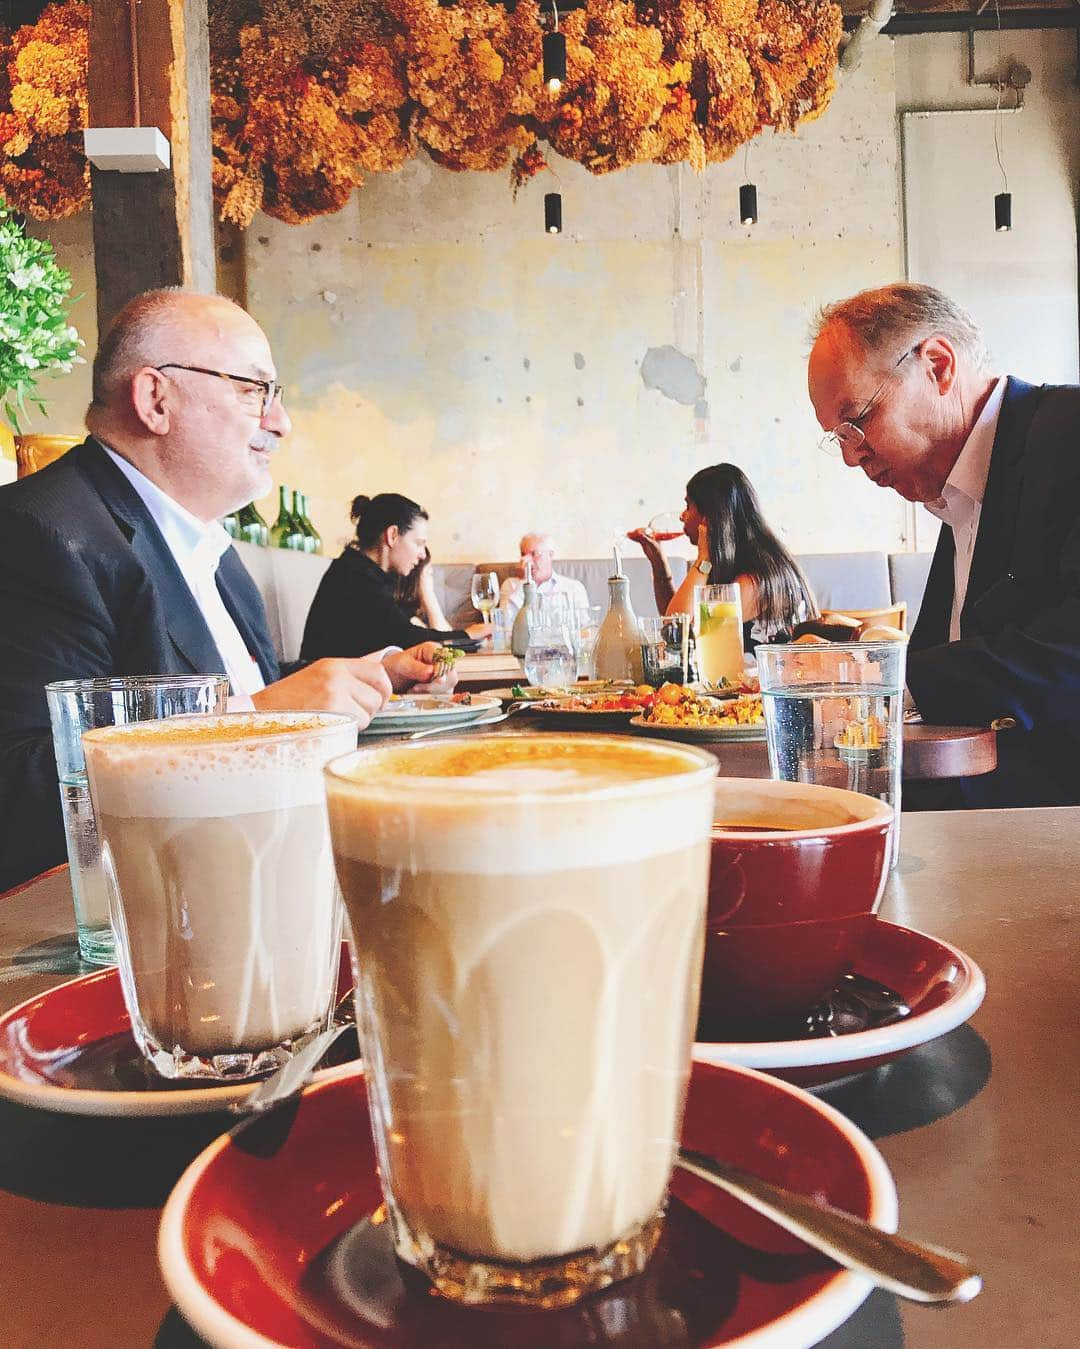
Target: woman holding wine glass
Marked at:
723, 520
356, 609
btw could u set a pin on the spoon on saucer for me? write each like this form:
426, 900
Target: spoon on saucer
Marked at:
911, 1269
291, 1078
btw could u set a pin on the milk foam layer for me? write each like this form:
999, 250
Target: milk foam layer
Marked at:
207, 767
516, 805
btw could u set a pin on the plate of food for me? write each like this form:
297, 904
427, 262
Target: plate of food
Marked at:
729, 688
678, 713
597, 708
410, 711
534, 693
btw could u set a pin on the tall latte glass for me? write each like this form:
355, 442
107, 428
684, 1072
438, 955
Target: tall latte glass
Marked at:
217, 857
527, 920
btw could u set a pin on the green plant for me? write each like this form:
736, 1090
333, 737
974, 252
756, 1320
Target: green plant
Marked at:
35, 336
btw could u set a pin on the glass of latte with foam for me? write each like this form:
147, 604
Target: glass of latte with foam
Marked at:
527, 918
217, 858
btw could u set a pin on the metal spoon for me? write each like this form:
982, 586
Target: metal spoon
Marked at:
912, 1269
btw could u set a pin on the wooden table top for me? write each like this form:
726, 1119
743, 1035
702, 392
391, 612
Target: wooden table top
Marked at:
979, 1128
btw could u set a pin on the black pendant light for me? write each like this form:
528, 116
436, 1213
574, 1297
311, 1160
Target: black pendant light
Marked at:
554, 47
553, 212
747, 193
1003, 212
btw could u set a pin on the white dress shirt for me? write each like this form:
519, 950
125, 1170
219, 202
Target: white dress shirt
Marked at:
511, 596
960, 503
198, 548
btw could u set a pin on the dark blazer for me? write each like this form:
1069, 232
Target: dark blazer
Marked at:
1019, 650
355, 611
88, 588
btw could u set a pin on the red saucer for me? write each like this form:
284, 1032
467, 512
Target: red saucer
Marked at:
254, 1247
942, 986
70, 1050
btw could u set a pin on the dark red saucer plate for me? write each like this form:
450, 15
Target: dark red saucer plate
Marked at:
258, 1243
942, 986
70, 1050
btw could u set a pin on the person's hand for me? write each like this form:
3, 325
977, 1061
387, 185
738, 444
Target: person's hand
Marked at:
358, 686
416, 666
478, 630
649, 545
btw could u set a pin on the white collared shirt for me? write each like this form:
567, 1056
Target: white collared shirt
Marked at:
198, 548
512, 596
960, 503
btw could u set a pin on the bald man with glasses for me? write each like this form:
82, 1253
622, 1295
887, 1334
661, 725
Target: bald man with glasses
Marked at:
112, 560
901, 386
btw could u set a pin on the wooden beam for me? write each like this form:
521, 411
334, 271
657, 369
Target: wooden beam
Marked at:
150, 66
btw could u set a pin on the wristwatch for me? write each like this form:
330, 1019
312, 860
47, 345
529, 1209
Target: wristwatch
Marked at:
703, 565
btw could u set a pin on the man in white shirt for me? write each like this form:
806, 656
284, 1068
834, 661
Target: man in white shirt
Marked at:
900, 382
540, 552
112, 560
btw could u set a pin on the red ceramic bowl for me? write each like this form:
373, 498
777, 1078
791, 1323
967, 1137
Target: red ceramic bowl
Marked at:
798, 871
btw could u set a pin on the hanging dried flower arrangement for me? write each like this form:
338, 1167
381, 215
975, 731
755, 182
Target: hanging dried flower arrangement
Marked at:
308, 97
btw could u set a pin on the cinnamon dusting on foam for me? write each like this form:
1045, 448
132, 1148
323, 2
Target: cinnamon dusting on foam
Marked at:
215, 730
524, 763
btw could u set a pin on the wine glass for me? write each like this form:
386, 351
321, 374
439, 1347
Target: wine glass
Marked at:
665, 526
484, 592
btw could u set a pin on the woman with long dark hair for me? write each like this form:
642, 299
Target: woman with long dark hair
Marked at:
356, 608
723, 519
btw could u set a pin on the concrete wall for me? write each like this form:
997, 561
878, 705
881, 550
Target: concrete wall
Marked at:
435, 341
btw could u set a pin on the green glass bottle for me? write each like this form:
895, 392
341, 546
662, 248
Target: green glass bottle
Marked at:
284, 529
253, 528
306, 533
311, 527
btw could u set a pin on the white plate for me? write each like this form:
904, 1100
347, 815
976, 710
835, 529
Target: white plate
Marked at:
699, 733
413, 710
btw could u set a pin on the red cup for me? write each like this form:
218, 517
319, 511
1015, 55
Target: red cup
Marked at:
798, 871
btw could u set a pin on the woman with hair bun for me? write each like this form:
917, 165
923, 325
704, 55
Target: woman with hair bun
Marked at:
356, 608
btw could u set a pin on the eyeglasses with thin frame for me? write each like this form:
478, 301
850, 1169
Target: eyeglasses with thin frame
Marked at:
271, 389
849, 435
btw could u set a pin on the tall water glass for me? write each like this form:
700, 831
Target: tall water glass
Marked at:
834, 715
502, 625
665, 649
586, 626
718, 634
78, 705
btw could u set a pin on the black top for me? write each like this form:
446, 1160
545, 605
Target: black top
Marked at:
1019, 650
88, 589
355, 611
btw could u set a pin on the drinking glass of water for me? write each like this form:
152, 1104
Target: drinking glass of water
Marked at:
550, 661
834, 716
78, 705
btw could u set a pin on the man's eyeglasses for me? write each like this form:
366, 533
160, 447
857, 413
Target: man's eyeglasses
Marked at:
850, 435
269, 389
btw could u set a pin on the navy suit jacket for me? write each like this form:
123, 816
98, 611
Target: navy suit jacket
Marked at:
89, 589
1019, 650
